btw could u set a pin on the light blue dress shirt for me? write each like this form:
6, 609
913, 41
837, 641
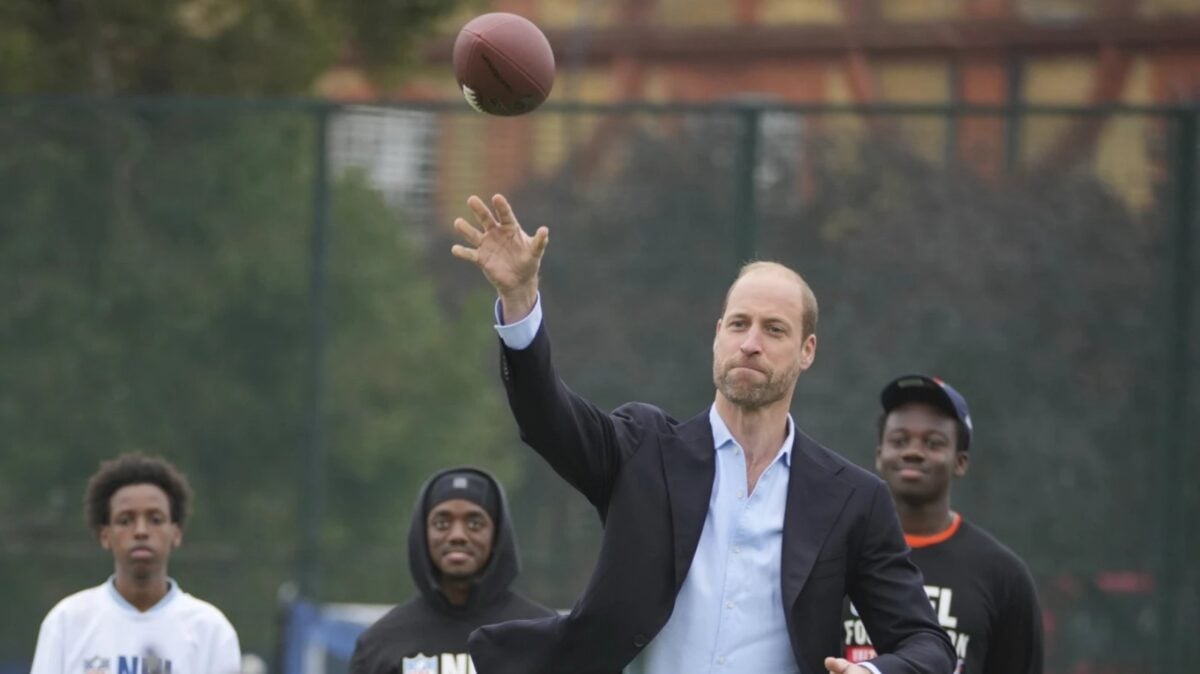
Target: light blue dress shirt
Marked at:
728, 615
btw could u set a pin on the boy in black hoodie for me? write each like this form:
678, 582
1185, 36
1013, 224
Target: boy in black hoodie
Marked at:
463, 557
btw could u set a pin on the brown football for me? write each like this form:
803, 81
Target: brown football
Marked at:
503, 63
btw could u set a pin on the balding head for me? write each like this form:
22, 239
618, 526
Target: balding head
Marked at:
809, 318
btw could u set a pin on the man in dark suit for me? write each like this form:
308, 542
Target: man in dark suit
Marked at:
731, 539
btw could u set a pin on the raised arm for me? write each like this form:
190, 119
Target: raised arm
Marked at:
584, 444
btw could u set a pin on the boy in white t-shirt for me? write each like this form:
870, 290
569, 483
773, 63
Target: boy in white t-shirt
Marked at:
138, 621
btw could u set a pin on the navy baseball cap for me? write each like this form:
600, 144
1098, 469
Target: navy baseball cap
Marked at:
925, 389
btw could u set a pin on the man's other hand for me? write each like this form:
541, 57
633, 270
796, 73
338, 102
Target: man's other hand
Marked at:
842, 666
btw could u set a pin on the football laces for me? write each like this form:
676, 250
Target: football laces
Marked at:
472, 98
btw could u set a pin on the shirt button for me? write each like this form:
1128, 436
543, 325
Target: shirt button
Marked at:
741, 495
721, 660
737, 550
728, 604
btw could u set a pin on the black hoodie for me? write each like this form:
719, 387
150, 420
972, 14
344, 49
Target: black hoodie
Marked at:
428, 625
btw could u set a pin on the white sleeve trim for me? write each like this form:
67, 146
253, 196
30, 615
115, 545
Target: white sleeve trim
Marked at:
519, 335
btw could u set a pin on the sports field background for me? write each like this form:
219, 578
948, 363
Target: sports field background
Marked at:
263, 292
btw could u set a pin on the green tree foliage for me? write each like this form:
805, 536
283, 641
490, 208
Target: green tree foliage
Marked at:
155, 284
155, 289
221, 47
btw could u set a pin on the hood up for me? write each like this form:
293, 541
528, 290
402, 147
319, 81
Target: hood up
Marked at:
490, 583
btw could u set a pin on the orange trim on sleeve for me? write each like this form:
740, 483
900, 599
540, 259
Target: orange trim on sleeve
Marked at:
915, 541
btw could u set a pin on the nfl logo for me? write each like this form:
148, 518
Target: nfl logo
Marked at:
421, 664
96, 665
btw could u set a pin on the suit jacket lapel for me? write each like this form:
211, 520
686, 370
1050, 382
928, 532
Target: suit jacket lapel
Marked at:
689, 464
814, 501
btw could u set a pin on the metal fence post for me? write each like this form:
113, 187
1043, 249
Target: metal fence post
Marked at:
953, 112
312, 483
746, 184
1013, 115
1176, 581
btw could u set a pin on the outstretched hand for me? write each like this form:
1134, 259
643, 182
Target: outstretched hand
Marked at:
508, 257
841, 666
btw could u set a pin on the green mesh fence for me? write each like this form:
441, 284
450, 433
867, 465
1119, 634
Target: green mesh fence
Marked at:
263, 292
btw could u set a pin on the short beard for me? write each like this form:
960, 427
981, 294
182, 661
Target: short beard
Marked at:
752, 397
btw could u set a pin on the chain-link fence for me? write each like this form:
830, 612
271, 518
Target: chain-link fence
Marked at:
262, 291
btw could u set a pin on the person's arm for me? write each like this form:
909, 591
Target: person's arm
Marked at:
358, 659
225, 654
581, 442
48, 657
371, 654
1016, 642
518, 335
889, 592
584, 444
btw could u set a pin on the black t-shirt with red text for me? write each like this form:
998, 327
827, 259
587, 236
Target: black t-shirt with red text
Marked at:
984, 598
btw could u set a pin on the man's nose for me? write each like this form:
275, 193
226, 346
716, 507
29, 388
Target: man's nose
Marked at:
141, 527
751, 343
458, 532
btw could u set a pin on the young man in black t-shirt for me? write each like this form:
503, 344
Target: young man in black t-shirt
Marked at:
982, 592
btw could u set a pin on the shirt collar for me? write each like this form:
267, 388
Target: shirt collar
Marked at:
723, 439
172, 592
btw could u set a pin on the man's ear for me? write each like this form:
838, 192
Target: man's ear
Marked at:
808, 352
962, 461
879, 458
102, 534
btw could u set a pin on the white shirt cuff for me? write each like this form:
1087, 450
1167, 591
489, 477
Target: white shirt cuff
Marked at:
873, 668
519, 335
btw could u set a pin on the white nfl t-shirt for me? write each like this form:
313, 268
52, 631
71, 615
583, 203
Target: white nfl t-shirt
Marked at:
97, 632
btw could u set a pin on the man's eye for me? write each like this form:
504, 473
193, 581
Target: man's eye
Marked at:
475, 525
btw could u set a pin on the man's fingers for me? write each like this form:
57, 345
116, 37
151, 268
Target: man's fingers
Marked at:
464, 253
504, 210
842, 666
541, 239
467, 232
510, 239
482, 214
836, 665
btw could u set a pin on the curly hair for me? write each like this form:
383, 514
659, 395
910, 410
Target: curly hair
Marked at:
135, 468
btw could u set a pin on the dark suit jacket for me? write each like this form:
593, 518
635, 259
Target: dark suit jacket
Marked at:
650, 478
